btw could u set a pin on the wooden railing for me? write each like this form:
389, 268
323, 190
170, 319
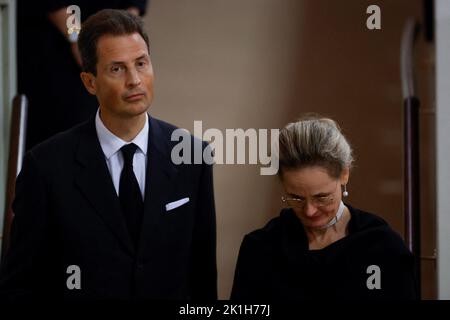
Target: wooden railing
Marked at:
411, 144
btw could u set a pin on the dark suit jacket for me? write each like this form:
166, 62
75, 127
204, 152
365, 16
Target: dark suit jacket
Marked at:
67, 213
275, 263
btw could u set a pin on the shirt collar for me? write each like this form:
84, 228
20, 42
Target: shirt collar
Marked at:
111, 144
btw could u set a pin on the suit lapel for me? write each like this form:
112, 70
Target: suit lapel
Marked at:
95, 183
160, 176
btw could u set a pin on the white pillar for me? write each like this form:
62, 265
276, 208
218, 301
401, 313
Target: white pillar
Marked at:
442, 13
8, 88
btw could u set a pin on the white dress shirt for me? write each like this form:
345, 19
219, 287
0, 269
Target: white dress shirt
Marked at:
111, 145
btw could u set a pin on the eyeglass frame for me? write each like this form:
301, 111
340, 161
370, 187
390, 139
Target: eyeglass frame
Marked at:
302, 202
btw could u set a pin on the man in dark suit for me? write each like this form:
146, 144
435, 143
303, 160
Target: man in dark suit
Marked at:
101, 210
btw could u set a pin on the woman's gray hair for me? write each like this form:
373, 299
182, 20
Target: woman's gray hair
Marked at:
314, 141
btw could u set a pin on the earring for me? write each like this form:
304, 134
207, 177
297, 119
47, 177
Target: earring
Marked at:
345, 193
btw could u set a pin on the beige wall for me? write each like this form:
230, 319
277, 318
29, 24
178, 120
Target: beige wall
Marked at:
262, 63
230, 64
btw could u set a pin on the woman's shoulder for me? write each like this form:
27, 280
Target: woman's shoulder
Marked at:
368, 228
362, 220
273, 227
274, 230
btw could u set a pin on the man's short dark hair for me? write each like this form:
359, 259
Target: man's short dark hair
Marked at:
105, 22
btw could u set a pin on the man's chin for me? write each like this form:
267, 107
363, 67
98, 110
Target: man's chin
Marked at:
136, 108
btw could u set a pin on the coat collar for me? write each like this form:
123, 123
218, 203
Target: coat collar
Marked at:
111, 144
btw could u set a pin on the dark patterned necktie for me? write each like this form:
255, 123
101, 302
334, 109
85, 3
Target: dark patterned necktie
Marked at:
130, 194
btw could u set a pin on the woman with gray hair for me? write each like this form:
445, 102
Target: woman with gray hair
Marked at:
320, 247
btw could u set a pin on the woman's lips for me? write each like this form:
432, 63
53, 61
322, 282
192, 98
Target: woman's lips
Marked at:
315, 218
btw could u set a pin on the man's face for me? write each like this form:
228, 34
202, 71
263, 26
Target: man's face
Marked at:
124, 81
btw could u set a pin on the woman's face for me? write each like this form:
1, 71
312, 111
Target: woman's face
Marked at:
317, 194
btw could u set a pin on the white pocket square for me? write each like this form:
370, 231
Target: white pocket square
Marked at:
176, 204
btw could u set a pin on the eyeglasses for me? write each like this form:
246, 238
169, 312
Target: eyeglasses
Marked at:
318, 201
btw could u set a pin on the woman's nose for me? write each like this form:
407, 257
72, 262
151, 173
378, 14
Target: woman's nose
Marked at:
309, 209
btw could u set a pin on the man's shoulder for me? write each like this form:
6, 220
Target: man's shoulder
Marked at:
62, 144
169, 136
170, 131
69, 139
165, 127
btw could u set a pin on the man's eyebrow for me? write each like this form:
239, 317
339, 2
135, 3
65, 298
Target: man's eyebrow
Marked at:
123, 62
142, 57
116, 62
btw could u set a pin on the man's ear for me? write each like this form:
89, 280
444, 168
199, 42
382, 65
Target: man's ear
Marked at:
89, 82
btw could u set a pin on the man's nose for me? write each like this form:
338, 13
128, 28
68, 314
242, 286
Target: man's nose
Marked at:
133, 78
